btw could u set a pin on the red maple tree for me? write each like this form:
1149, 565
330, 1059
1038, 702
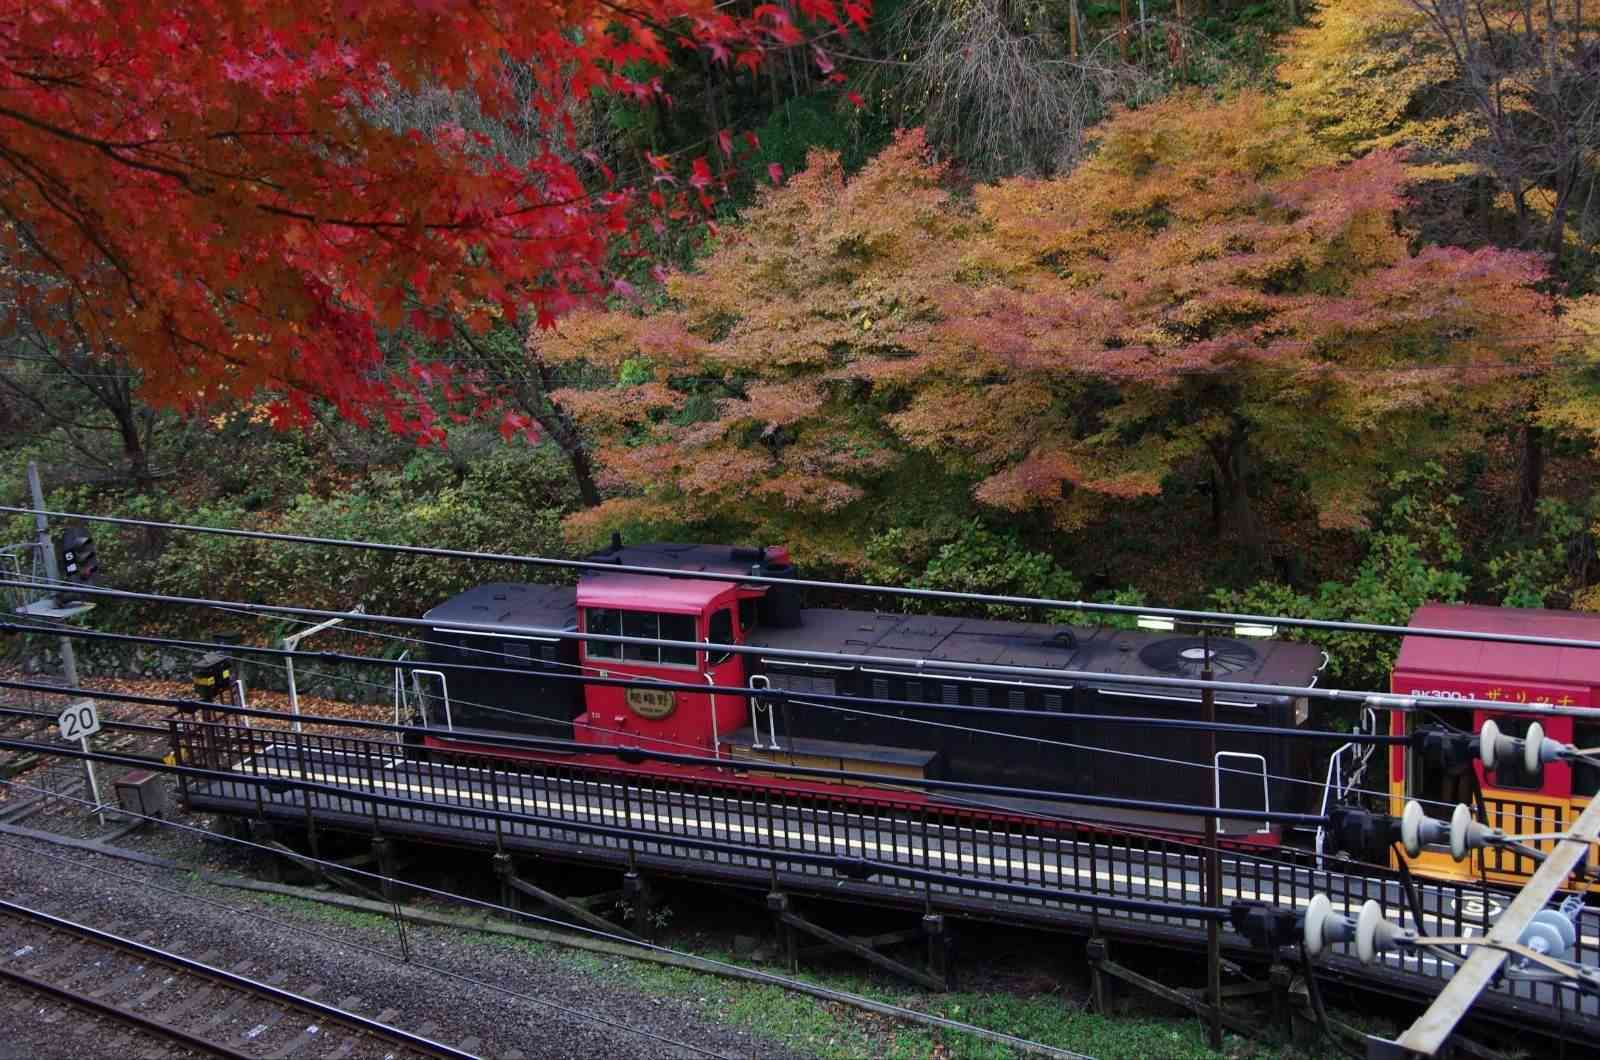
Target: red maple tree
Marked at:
195, 184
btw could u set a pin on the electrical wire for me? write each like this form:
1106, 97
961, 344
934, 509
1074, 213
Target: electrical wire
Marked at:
783, 982
850, 866
845, 704
571, 1013
933, 667
588, 675
811, 583
631, 754
260, 610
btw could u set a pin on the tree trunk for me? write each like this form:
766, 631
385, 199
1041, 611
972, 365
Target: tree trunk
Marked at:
1231, 457
1531, 476
1216, 506
583, 475
133, 449
564, 431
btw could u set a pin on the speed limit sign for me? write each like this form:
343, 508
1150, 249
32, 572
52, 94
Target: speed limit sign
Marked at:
79, 720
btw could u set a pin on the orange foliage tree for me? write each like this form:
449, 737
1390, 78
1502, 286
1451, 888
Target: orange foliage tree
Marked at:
198, 186
1208, 292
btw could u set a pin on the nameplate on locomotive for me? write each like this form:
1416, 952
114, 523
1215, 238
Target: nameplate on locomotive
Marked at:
651, 703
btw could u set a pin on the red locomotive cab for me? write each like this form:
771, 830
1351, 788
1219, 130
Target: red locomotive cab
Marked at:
666, 609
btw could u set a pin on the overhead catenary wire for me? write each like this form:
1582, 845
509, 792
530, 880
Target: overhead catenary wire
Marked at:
1046, 603
841, 701
934, 667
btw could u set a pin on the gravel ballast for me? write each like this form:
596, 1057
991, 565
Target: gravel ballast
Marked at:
548, 1020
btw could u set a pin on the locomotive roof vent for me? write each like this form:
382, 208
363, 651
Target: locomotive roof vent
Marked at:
1186, 656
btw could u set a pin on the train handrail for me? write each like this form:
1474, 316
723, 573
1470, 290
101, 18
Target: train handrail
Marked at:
1216, 787
444, 692
400, 700
755, 718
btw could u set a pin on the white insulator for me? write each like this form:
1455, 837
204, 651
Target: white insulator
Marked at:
1550, 933
1322, 926
1532, 746
1543, 937
1367, 931
1417, 829
1466, 834
1375, 935
1494, 746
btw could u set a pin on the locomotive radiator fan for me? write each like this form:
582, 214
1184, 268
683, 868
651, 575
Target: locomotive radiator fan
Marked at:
1186, 656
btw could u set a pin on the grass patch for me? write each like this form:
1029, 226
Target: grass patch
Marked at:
839, 1032
308, 909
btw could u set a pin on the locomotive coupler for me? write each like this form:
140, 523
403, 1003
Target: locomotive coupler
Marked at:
1362, 834
1266, 926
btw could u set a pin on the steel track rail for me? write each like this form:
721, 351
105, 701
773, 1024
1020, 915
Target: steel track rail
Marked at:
121, 1015
332, 1013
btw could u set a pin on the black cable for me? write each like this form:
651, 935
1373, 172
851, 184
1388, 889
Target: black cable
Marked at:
105, 723
782, 982
931, 667
848, 867
811, 583
634, 755
776, 694
573, 1013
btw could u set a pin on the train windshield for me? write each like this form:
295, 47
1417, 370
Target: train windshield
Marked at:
613, 622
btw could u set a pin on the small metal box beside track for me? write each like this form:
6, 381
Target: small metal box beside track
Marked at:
143, 793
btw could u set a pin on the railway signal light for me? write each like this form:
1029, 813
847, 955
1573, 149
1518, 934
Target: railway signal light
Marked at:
212, 673
76, 553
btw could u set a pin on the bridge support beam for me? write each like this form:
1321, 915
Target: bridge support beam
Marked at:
1100, 965
788, 922
511, 885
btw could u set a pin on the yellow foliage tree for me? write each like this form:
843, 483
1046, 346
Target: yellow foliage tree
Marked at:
1211, 290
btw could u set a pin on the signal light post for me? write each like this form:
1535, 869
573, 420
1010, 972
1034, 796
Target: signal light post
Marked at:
69, 661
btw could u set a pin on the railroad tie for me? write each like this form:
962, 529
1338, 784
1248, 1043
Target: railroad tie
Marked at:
49, 962
121, 984
346, 1047
312, 1032
150, 995
227, 1015
262, 1030
178, 1013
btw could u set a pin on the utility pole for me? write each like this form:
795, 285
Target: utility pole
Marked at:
69, 661
1213, 857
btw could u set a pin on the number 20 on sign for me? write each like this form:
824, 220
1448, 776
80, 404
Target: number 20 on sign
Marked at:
79, 721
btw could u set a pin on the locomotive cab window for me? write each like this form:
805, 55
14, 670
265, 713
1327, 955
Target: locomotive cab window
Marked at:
749, 613
612, 622
720, 631
1509, 772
